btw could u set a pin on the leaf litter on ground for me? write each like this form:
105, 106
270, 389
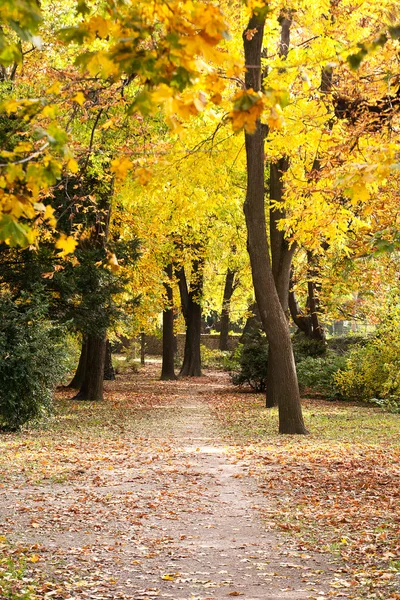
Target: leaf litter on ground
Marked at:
85, 497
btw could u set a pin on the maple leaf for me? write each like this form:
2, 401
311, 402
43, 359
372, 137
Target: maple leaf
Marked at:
66, 245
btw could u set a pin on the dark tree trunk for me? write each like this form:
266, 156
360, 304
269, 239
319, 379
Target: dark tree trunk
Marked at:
168, 371
191, 298
226, 305
281, 252
301, 320
284, 386
109, 373
142, 348
92, 386
79, 376
191, 366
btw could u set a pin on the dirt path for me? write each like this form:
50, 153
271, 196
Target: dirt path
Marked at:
164, 514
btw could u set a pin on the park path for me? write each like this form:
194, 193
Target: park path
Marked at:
164, 513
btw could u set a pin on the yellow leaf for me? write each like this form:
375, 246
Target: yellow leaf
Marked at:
50, 111
162, 93
113, 262
120, 167
79, 98
72, 165
66, 245
34, 558
169, 576
275, 119
49, 215
55, 88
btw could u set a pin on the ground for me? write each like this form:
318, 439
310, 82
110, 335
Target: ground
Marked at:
183, 490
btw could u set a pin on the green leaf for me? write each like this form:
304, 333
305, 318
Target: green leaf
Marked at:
14, 232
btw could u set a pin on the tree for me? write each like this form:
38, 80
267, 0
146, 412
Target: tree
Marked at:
191, 308
169, 342
283, 382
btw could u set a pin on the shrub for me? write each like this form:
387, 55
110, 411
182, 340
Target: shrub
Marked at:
212, 359
32, 361
319, 373
303, 347
249, 365
372, 372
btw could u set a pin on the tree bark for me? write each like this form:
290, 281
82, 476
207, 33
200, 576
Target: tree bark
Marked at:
167, 370
284, 386
79, 376
225, 313
142, 348
191, 366
92, 386
109, 373
281, 252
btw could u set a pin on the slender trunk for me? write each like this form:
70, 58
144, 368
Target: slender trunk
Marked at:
142, 348
284, 384
301, 320
191, 306
168, 371
226, 305
79, 376
109, 373
92, 386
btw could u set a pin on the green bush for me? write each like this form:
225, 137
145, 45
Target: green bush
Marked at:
303, 347
372, 371
32, 361
319, 373
249, 363
212, 359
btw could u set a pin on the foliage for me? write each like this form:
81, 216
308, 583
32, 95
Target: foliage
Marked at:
13, 582
318, 373
372, 372
124, 363
33, 360
342, 344
250, 361
213, 359
304, 347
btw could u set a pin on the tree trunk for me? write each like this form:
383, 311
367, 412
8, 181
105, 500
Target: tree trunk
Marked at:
92, 386
167, 370
109, 373
142, 348
225, 313
281, 252
301, 320
79, 376
191, 366
284, 386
